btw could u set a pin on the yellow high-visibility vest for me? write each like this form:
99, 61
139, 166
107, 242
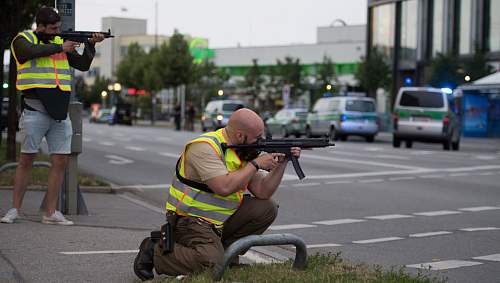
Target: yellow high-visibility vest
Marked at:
186, 200
43, 72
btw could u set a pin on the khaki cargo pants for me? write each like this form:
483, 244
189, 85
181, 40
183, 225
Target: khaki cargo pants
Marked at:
198, 246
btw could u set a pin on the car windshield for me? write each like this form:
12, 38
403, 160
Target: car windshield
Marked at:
301, 114
427, 99
231, 106
360, 106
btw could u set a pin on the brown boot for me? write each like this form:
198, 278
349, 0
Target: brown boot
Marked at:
143, 263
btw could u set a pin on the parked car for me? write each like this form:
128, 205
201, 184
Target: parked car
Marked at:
288, 122
217, 113
341, 116
102, 115
427, 115
121, 114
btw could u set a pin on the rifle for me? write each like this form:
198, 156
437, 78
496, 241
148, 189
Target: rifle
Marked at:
284, 145
81, 36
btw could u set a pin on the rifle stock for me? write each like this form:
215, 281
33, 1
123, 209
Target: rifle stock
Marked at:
284, 145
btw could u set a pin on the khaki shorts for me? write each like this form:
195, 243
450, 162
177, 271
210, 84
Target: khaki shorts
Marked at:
35, 125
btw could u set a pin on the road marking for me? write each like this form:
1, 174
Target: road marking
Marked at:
373, 149
401, 178
422, 152
475, 229
372, 163
339, 221
471, 168
487, 173
479, 208
101, 252
377, 240
169, 154
135, 148
387, 156
493, 257
107, 143
306, 185
291, 226
429, 234
445, 264
86, 139
371, 181
389, 216
323, 245
338, 182
142, 203
118, 160
437, 213
485, 157
458, 174
431, 176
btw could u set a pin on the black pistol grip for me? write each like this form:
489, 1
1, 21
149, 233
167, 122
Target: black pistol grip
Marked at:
296, 166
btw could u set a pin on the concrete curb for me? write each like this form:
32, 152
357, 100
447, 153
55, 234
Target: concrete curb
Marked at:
84, 189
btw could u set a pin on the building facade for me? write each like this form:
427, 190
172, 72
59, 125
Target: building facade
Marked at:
412, 32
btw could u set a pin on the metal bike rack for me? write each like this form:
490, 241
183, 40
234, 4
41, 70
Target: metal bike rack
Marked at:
263, 240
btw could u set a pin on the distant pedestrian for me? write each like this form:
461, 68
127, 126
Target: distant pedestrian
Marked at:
190, 114
177, 117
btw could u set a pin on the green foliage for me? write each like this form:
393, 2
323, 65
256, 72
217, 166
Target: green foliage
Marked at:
130, 71
176, 62
254, 80
93, 95
320, 268
289, 72
445, 70
325, 76
374, 72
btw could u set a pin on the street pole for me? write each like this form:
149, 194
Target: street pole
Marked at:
70, 198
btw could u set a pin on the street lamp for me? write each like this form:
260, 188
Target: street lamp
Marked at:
117, 87
103, 96
328, 87
220, 92
467, 78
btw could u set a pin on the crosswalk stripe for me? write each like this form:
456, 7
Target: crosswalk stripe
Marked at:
479, 208
291, 226
445, 264
429, 234
339, 221
437, 213
475, 229
389, 216
377, 240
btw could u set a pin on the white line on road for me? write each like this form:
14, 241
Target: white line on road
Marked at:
493, 257
373, 148
422, 152
401, 178
306, 185
387, 156
389, 216
475, 229
431, 176
291, 226
371, 181
485, 157
101, 252
135, 148
169, 154
338, 182
118, 160
445, 264
339, 221
479, 208
437, 213
107, 143
372, 163
487, 173
142, 203
86, 139
458, 174
323, 245
377, 240
429, 234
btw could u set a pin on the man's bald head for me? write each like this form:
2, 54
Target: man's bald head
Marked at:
244, 122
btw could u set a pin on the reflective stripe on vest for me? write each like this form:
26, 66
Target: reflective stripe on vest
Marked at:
44, 72
186, 200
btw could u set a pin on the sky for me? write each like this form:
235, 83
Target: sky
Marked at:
227, 23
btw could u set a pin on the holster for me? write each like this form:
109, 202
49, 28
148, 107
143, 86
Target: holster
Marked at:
166, 235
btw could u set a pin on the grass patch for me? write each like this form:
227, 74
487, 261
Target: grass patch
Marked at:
320, 268
39, 175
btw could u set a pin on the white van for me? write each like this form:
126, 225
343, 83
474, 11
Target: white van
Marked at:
217, 113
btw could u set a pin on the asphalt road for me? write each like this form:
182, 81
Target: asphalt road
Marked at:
420, 207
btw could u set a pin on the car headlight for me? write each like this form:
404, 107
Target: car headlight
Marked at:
219, 117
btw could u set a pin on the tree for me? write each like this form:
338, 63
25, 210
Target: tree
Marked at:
17, 16
445, 71
374, 72
290, 72
175, 62
131, 69
254, 80
325, 76
477, 67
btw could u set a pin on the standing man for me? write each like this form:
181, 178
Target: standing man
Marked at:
208, 202
44, 77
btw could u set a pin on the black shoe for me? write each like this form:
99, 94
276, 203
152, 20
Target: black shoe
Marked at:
143, 263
